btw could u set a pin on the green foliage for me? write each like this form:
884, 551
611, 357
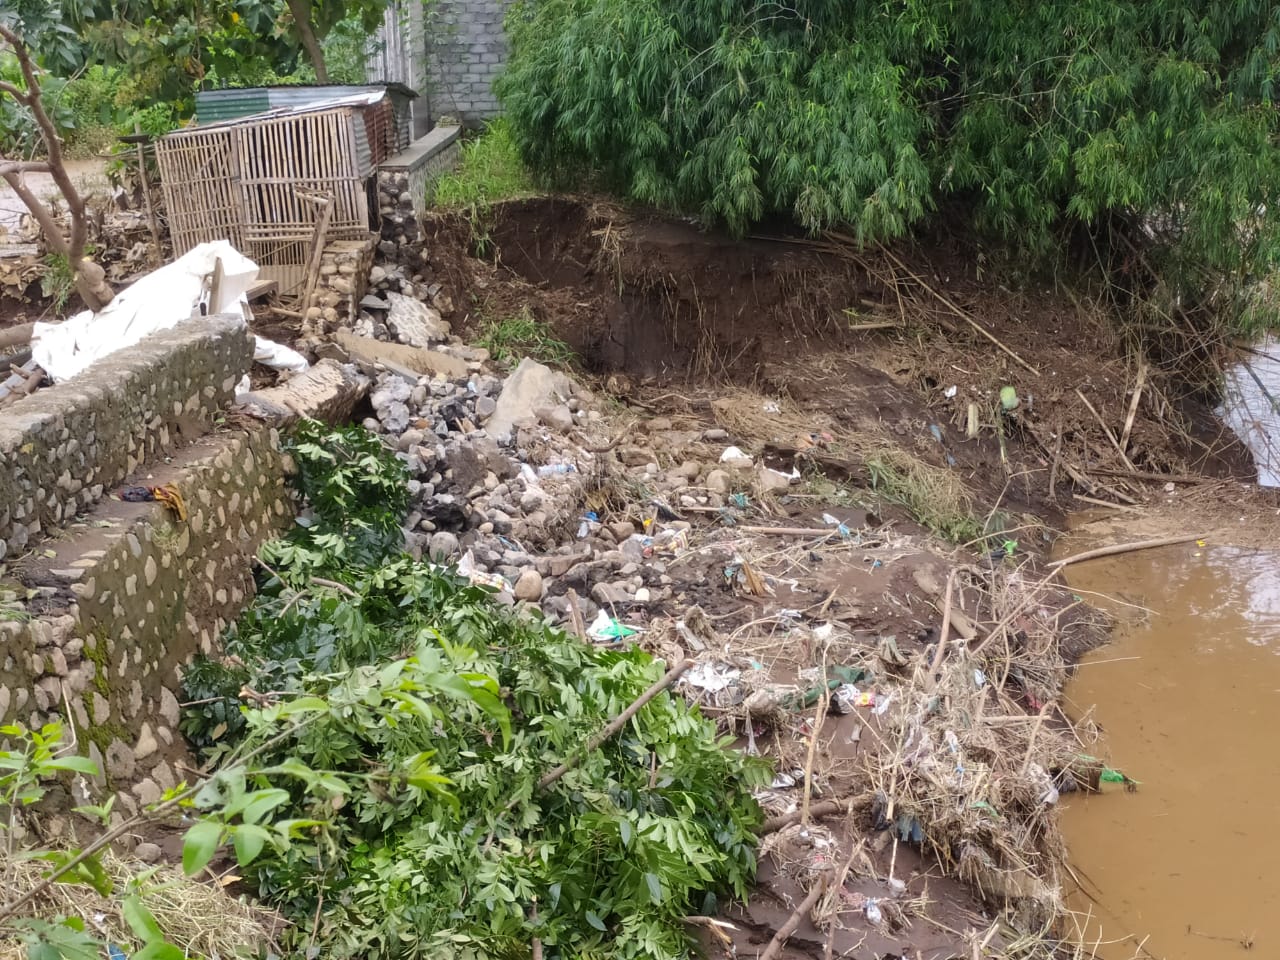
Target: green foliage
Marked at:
357, 491
523, 335
1152, 124
491, 170
393, 804
57, 283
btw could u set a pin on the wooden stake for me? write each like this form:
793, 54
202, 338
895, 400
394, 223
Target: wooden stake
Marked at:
325, 203
155, 254
1133, 404
787, 929
1119, 548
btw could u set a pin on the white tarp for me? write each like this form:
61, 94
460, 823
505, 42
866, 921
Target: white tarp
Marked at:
158, 301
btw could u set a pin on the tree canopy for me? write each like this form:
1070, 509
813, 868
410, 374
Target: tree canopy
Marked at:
1154, 115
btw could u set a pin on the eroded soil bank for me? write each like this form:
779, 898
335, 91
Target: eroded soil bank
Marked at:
927, 802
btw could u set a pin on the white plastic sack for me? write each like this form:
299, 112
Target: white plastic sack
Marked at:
158, 301
278, 357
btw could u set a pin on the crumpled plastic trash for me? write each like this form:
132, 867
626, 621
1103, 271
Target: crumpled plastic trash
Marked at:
467, 568
712, 676
605, 629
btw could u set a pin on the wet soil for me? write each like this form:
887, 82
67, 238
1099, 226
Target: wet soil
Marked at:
903, 342
780, 339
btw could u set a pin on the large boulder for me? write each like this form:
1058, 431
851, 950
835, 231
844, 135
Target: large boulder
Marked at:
532, 386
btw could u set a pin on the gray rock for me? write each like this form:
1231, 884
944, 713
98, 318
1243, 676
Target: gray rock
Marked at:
408, 440
529, 586
147, 852
485, 407
443, 545
414, 322
771, 481
610, 594
558, 417
394, 417
531, 386
390, 390
715, 435
718, 481
622, 529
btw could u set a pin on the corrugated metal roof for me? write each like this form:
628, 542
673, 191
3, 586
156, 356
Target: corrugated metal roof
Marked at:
214, 106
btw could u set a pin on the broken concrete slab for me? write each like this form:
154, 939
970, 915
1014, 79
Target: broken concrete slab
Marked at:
414, 322
401, 358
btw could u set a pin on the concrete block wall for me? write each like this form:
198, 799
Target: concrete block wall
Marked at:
466, 49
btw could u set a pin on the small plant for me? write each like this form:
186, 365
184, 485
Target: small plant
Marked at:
57, 283
523, 335
932, 495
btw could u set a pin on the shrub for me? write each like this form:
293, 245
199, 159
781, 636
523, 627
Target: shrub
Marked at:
1151, 124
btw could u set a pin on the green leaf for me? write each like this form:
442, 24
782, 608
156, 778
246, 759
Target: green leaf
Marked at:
595, 921
140, 919
262, 802
249, 841
655, 887
159, 951
199, 846
78, 764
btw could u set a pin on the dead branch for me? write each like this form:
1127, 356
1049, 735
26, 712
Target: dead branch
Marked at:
89, 277
1118, 548
819, 809
787, 929
616, 724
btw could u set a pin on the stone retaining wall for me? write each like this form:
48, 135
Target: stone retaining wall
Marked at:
344, 276
97, 627
62, 447
406, 182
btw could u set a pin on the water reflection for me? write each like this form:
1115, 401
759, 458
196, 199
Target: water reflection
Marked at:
1251, 407
1189, 697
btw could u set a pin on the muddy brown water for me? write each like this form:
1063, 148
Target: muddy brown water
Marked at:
1188, 693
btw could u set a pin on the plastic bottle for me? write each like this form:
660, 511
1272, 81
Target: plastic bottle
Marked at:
556, 469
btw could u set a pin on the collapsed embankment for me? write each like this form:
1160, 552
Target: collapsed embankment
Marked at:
874, 380
789, 461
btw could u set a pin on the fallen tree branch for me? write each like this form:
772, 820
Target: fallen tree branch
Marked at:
819, 809
787, 929
1118, 548
620, 721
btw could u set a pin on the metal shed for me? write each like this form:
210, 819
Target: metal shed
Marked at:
263, 181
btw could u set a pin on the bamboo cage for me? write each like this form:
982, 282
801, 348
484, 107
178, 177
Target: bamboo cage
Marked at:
248, 181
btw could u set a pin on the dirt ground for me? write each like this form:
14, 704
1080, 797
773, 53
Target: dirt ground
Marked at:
878, 375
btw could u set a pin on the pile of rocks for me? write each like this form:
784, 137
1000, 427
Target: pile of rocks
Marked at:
501, 472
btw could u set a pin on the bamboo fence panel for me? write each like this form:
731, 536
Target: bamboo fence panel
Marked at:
240, 181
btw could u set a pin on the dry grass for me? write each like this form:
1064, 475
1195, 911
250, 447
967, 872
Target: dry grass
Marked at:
201, 918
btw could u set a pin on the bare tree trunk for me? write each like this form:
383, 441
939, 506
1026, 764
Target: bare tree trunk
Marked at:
301, 12
89, 277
